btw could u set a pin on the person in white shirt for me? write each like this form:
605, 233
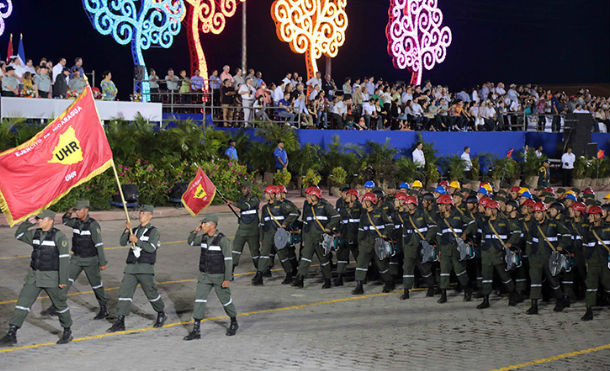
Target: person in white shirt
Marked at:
567, 166
418, 156
315, 81
339, 113
467, 162
538, 152
287, 79
247, 92
278, 93
58, 69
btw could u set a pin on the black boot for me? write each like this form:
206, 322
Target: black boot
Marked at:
161, 317
66, 337
196, 332
267, 273
103, 313
258, 279
566, 301
514, 299
443, 298
430, 292
358, 290
288, 279
11, 336
405, 295
295, 266
388, 286
326, 284
534, 308
232, 327
339, 280
559, 305
587, 317
485, 303
119, 325
298, 281
467, 293
50, 311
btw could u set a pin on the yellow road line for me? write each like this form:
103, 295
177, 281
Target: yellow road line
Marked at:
271, 310
553, 358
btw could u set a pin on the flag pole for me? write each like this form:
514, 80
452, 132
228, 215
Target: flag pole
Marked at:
228, 204
118, 182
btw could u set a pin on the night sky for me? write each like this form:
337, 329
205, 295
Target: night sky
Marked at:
552, 41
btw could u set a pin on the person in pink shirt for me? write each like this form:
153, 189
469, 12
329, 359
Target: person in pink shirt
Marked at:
226, 74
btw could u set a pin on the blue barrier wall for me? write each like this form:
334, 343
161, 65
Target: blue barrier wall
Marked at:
552, 142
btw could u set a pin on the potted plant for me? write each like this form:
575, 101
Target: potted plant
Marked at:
475, 172
604, 171
337, 177
456, 167
432, 174
311, 178
282, 177
580, 170
406, 170
505, 170
531, 168
589, 173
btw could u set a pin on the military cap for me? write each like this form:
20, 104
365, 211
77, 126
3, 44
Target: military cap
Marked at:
46, 214
210, 218
81, 204
149, 208
246, 185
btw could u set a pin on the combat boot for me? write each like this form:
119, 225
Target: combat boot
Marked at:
161, 317
443, 298
232, 330
514, 299
388, 286
534, 308
267, 273
358, 290
288, 279
258, 279
50, 311
587, 317
560, 305
485, 303
339, 280
467, 293
298, 281
430, 292
119, 325
103, 313
11, 336
66, 337
326, 284
405, 295
195, 332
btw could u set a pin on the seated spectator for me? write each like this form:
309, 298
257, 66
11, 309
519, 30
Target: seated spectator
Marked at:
77, 83
371, 116
319, 110
302, 111
43, 81
286, 110
260, 109
10, 83
109, 90
338, 113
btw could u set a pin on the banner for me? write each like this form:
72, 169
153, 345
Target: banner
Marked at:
199, 194
66, 153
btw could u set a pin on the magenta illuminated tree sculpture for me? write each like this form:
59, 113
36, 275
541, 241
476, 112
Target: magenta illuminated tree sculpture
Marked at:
415, 37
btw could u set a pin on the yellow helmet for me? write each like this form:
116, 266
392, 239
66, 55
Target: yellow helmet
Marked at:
417, 184
607, 197
488, 188
523, 189
455, 184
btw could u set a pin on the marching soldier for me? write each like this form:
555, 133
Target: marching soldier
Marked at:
350, 218
545, 236
417, 227
374, 223
520, 273
140, 268
293, 210
88, 250
578, 227
247, 230
555, 212
215, 266
319, 217
49, 272
597, 255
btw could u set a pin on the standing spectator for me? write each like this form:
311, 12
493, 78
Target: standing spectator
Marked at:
226, 74
556, 110
58, 69
10, 83
78, 66
153, 83
171, 82
227, 99
315, 81
238, 79
539, 152
231, 152
567, 166
43, 81
29, 66
17, 64
247, 92
278, 93
185, 88
60, 87
328, 85
77, 83
347, 86
197, 86
280, 156
418, 156
467, 162
109, 90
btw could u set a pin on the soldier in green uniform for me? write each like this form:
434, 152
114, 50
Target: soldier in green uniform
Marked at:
88, 250
350, 212
597, 255
416, 227
247, 230
578, 227
140, 268
293, 211
49, 272
497, 235
545, 236
374, 223
215, 263
319, 217
520, 273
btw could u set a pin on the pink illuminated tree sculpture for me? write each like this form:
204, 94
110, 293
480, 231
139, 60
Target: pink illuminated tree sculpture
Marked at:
415, 37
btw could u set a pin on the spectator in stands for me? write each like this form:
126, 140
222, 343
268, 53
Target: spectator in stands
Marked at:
29, 66
43, 81
153, 84
227, 100
77, 84
338, 113
238, 79
315, 81
246, 92
347, 86
10, 83
328, 85
197, 86
231, 152
286, 111
260, 109
109, 90
226, 74
302, 111
60, 87
78, 66
319, 109
278, 92
287, 79
185, 88
171, 83
280, 156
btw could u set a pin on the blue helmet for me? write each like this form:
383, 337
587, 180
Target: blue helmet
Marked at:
369, 184
483, 191
440, 189
571, 196
404, 185
526, 195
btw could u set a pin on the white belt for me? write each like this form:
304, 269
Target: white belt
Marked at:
267, 218
502, 236
82, 233
144, 238
319, 218
366, 228
44, 243
248, 212
448, 230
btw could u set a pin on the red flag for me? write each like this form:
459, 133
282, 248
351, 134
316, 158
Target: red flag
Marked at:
510, 153
600, 154
199, 194
9, 50
66, 153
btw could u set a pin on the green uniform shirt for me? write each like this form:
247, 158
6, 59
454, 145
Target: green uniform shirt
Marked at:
560, 238
225, 244
77, 84
48, 278
43, 82
9, 82
149, 246
96, 236
248, 205
330, 220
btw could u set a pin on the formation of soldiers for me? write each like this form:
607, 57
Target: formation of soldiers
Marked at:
545, 243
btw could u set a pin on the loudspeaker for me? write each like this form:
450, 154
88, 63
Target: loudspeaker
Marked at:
577, 132
591, 150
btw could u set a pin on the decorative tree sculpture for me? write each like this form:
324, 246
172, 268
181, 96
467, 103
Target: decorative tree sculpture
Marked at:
206, 16
6, 8
154, 23
311, 27
415, 37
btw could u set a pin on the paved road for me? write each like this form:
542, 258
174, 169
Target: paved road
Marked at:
285, 328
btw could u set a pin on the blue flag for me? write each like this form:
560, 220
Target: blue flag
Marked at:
21, 51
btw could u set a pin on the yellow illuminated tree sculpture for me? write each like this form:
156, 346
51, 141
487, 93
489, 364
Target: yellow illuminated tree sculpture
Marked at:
311, 27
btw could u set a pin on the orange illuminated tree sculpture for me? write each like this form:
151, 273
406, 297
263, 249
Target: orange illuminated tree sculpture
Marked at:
311, 27
206, 16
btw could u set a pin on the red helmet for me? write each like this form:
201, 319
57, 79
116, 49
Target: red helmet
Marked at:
528, 203
515, 189
588, 190
594, 210
271, 189
412, 200
484, 200
370, 196
353, 191
444, 183
281, 189
549, 189
539, 206
313, 190
401, 196
492, 204
579, 206
445, 200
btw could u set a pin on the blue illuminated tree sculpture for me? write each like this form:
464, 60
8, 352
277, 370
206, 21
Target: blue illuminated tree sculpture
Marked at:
153, 23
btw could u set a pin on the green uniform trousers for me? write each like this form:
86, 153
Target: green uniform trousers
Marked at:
238, 247
94, 277
493, 259
311, 244
366, 252
343, 255
597, 272
449, 261
205, 283
520, 276
128, 287
411, 261
539, 265
27, 297
286, 254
